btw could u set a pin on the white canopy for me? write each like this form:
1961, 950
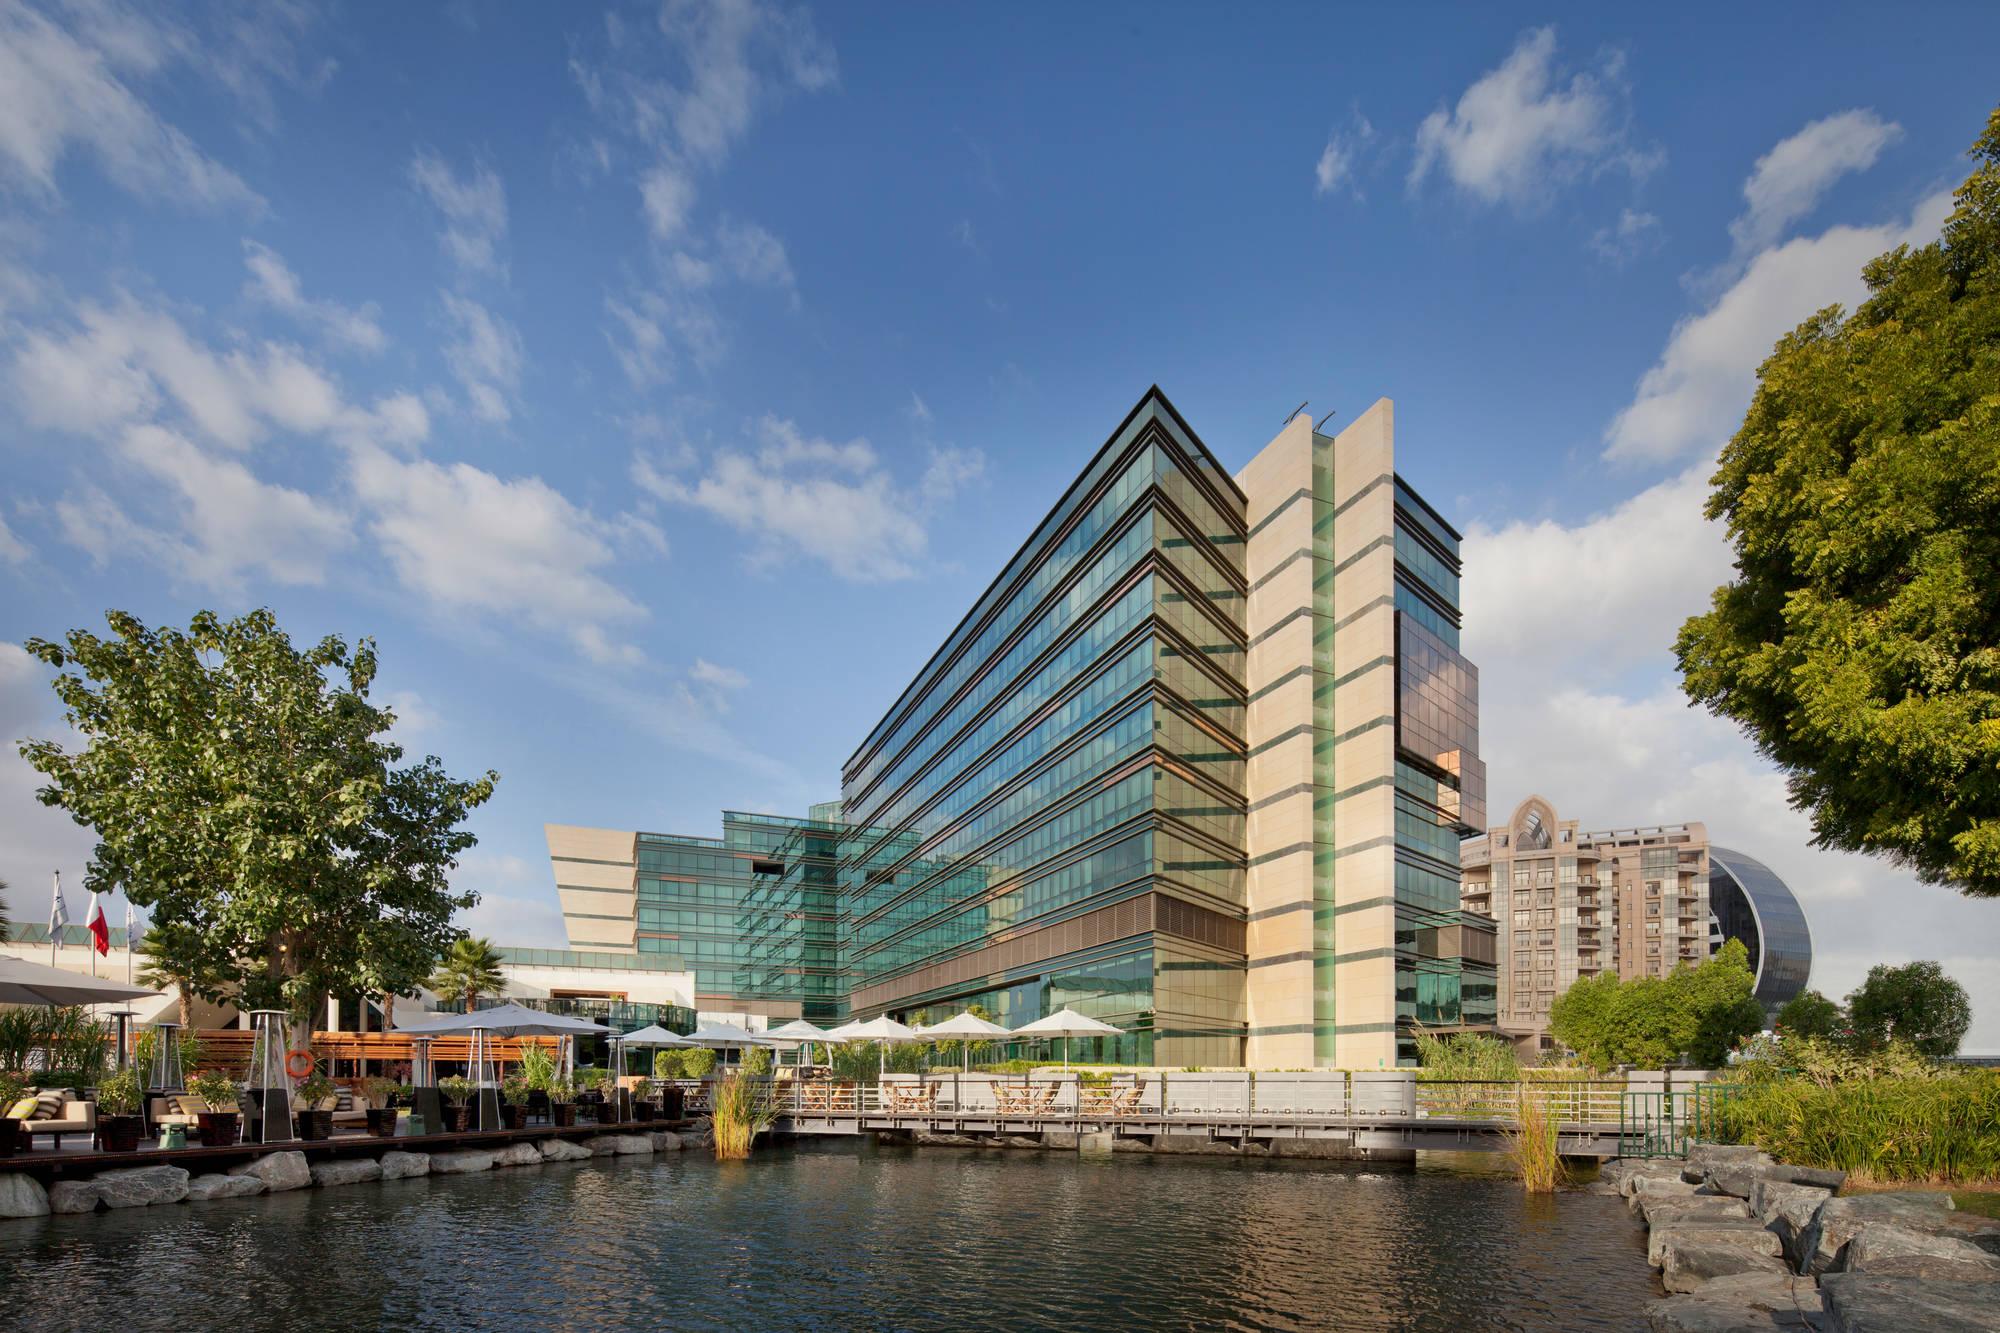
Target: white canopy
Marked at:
654, 1035
721, 1034
885, 1029
1066, 1023
798, 1031
967, 1024
23, 982
503, 1020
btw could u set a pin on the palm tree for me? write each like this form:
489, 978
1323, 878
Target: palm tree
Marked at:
471, 968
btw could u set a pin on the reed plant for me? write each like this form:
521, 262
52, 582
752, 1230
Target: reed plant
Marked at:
1941, 1127
742, 1111
1532, 1146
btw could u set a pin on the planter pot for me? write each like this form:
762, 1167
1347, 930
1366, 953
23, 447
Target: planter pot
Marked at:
382, 1121
12, 1140
643, 1111
514, 1117
564, 1113
315, 1125
119, 1133
457, 1119
220, 1128
671, 1102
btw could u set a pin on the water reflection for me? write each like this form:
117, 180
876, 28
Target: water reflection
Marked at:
826, 1236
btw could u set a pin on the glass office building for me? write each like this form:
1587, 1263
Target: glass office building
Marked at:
1195, 763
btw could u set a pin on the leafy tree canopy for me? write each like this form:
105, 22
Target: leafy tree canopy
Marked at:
1810, 1015
1916, 1003
1697, 1013
1860, 642
243, 790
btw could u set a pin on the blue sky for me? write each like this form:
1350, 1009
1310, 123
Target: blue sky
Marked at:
657, 386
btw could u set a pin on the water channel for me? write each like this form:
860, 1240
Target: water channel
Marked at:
826, 1235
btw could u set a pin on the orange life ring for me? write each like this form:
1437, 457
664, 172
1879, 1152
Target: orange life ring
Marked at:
298, 1064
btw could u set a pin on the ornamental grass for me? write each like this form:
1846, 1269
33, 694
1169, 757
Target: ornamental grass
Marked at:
1942, 1128
1531, 1144
742, 1111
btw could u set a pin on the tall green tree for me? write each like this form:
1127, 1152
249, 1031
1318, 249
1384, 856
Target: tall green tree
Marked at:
1810, 1014
1859, 644
1692, 1013
470, 971
244, 790
1916, 1003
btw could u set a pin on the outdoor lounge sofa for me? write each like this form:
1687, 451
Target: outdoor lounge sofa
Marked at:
70, 1114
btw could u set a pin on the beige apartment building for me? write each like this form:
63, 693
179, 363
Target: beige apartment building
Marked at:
1569, 903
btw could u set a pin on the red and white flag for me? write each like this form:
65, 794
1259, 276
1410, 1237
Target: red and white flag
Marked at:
99, 928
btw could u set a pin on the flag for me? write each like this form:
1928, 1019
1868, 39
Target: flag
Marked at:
58, 913
100, 930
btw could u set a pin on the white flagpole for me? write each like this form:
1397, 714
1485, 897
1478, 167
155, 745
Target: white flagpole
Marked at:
58, 918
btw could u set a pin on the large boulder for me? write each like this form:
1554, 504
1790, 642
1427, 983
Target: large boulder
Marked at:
346, 1171
1895, 1251
404, 1165
460, 1163
626, 1145
1654, 1187
22, 1196
1619, 1170
1871, 1303
1745, 1233
1704, 1158
1686, 1265
1660, 1209
279, 1171
563, 1150
1735, 1175
1790, 1211
141, 1186
1821, 1243
665, 1140
1745, 1303
73, 1196
1817, 1177
221, 1185
518, 1154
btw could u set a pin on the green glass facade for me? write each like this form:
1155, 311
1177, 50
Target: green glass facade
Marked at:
1052, 813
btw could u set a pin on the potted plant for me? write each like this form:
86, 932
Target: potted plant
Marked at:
119, 1123
12, 1088
457, 1092
315, 1119
643, 1107
222, 1122
590, 1094
562, 1101
381, 1096
514, 1092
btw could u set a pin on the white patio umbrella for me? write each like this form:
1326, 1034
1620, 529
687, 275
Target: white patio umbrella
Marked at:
654, 1035
504, 1020
885, 1030
966, 1027
720, 1034
1066, 1023
22, 982
798, 1032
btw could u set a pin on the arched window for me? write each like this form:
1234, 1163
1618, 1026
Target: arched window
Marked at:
1534, 833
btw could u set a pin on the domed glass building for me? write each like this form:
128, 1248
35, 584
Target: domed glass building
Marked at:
1747, 901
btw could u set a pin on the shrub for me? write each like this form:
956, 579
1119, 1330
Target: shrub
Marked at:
514, 1090
314, 1088
1907, 1126
216, 1088
758, 1061
667, 1063
118, 1093
697, 1061
457, 1090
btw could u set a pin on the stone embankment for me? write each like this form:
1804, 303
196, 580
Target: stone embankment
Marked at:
1743, 1243
275, 1172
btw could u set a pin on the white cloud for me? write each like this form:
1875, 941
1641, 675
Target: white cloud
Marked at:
655, 329
1634, 234
753, 254
468, 540
13, 550
65, 89
273, 283
126, 361
1693, 398
475, 211
795, 494
516, 905
485, 356
719, 677
1789, 181
1611, 589
1522, 128
667, 195
1336, 165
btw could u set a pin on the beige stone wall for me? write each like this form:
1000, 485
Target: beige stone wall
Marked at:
596, 875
